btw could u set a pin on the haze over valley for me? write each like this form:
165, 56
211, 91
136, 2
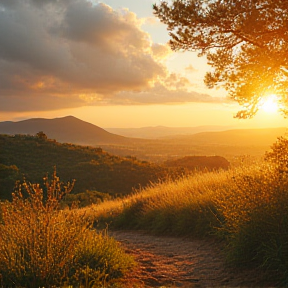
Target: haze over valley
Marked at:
177, 143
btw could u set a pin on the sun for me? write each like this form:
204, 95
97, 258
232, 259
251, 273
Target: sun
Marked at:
269, 104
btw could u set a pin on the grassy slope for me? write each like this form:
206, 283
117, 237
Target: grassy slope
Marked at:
247, 207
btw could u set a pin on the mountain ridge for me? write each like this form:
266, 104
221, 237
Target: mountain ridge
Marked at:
154, 132
64, 129
70, 129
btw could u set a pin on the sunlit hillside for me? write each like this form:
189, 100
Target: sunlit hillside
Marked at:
245, 206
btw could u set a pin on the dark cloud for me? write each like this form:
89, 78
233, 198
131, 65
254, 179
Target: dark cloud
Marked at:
70, 53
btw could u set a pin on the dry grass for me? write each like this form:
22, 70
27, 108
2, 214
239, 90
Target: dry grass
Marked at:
167, 207
246, 206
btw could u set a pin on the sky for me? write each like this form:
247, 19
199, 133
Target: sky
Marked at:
107, 63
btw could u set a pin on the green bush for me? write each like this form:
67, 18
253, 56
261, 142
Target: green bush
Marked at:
85, 198
102, 258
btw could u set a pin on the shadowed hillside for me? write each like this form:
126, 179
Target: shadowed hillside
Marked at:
93, 168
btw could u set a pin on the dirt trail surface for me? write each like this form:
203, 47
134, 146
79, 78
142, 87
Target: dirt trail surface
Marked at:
180, 262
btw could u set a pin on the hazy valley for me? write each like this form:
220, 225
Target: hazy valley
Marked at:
178, 142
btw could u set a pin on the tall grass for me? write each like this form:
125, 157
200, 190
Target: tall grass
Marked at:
247, 206
185, 206
43, 246
255, 209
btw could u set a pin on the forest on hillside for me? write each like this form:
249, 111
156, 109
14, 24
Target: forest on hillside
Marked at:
32, 157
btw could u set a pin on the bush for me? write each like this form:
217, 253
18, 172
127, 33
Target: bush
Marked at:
8, 177
255, 209
42, 246
99, 259
85, 198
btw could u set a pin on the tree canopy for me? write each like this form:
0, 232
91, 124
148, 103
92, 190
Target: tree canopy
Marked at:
245, 42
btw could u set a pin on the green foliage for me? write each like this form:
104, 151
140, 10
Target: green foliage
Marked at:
42, 246
86, 198
200, 163
102, 259
42, 135
93, 168
245, 43
278, 156
8, 177
255, 208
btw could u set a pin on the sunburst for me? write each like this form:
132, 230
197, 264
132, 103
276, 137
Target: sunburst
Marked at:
269, 104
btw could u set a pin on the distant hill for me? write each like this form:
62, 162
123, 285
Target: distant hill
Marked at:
230, 143
236, 137
163, 131
67, 129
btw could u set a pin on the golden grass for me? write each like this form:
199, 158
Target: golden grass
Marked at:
247, 206
165, 207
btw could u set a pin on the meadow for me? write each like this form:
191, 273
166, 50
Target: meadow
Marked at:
246, 207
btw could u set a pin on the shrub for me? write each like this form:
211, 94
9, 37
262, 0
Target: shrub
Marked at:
85, 198
42, 246
255, 209
99, 260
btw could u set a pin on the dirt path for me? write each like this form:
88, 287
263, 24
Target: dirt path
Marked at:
175, 262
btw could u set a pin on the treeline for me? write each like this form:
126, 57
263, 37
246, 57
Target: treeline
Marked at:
33, 157
200, 163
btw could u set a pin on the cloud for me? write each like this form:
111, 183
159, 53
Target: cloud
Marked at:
71, 53
190, 69
173, 89
160, 51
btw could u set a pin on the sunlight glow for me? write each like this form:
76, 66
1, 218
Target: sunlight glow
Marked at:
269, 104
